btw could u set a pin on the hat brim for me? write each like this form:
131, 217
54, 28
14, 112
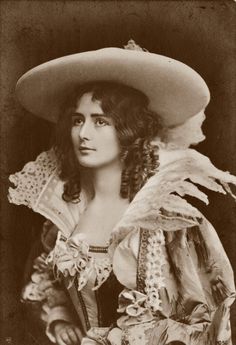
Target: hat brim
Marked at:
175, 91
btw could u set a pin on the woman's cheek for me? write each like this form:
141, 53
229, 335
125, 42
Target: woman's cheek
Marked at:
75, 135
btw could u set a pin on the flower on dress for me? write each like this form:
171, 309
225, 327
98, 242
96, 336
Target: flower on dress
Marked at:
68, 256
134, 304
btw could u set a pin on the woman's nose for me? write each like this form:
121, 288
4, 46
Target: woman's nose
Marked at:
85, 131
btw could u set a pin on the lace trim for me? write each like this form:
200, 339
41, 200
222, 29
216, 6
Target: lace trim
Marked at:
150, 277
72, 260
32, 179
154, 276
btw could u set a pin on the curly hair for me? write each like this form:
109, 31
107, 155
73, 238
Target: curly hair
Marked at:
135, 125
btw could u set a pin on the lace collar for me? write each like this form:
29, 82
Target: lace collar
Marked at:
39, 187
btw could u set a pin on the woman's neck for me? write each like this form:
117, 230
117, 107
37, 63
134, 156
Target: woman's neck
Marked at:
106, 182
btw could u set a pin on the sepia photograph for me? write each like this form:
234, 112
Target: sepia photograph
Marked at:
118, 172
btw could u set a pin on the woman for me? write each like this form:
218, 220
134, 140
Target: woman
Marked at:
140, 264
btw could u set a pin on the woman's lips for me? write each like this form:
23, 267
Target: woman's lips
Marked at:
84, 148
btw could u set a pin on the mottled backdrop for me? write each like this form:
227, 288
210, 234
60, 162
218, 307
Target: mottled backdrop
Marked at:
201, 34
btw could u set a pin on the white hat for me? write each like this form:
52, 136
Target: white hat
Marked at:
175, 91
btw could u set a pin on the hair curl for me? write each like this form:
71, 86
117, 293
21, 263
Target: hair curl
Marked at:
135, 124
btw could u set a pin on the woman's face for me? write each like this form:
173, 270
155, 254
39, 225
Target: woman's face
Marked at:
93, 134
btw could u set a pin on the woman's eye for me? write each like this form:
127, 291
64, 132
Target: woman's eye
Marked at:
77, 122
101, 122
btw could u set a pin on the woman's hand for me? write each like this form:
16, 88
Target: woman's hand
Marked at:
67, 333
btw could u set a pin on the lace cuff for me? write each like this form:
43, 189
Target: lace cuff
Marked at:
32, 179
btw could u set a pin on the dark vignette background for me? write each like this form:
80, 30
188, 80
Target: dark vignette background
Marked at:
199, 33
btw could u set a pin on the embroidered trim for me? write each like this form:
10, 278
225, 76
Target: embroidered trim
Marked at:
150, 278
141, 267
98, 249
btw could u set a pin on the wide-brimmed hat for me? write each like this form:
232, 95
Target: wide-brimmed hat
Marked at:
176, 92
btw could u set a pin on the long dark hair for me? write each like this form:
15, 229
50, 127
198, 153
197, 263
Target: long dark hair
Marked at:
136, 126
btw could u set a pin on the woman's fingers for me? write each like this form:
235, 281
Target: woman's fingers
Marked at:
78, 333
59, 340
69, 336
65, 337
62, 337
73, 336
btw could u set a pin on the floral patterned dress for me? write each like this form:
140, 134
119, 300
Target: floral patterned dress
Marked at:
164, 277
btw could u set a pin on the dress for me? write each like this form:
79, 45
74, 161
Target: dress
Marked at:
164, 269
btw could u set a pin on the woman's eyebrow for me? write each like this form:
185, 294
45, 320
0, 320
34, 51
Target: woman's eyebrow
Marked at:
99, 115
92, 115
77, 114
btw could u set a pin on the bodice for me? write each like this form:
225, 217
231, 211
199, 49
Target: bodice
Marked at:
87, 273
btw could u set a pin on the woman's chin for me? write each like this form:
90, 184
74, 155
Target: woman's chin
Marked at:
85, 164
91, 164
